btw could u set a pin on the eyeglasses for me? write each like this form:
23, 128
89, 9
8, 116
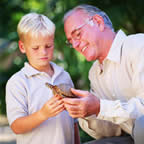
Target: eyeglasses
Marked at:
76, 33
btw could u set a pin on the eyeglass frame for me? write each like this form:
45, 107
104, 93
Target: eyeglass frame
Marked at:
88, 21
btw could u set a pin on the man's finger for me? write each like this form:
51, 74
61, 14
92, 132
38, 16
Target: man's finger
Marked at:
71, 107
72, 101
76, 115
80, 93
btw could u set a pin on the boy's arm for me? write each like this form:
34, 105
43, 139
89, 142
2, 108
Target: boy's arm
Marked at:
51, 108
27, 123
76, 132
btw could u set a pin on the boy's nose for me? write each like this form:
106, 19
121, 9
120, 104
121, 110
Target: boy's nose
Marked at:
44, 51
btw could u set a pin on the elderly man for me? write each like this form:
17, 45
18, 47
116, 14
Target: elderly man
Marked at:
115, 103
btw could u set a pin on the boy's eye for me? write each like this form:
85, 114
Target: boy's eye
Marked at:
35, 48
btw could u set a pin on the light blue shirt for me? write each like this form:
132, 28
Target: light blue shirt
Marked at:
26, 93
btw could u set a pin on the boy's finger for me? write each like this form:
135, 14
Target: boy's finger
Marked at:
59, 107
58, 96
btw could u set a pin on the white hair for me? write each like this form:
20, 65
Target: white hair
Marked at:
35, 24
90, 10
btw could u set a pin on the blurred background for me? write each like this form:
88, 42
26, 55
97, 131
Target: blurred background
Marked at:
125, 14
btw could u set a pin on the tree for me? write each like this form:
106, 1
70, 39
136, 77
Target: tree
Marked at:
125, 14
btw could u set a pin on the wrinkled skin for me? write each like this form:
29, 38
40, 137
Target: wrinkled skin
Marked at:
87, 104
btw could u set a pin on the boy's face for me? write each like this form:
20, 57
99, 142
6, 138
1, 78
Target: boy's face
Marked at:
39, 50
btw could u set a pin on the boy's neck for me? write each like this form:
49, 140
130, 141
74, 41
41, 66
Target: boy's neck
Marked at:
50, 71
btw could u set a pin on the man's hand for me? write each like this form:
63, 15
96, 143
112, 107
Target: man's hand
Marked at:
87, 104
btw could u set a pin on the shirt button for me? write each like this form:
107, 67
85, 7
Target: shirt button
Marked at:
98, 70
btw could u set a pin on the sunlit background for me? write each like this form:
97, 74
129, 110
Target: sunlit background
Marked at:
125, 14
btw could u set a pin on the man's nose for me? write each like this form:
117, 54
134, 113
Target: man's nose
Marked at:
75, 43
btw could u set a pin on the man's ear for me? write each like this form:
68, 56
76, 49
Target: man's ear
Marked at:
21, 46
99, 21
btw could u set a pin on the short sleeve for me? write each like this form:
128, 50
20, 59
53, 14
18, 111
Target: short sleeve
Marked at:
16, 100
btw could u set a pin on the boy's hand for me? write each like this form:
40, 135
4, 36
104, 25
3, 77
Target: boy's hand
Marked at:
52, 107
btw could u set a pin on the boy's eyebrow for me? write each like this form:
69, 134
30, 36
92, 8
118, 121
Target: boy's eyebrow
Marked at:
36, 45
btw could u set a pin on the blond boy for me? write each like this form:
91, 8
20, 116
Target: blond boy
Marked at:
36, 115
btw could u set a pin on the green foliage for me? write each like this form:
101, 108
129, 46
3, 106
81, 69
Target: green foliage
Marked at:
125, 14
84, 136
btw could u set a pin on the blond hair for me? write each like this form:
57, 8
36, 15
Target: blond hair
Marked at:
35, 24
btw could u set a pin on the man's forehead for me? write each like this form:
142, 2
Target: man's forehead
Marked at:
77, 16
75, 19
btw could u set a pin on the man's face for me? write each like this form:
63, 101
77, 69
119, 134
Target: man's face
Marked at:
39, 50
82, 33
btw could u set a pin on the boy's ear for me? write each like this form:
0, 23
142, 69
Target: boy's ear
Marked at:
21, 46
99, 21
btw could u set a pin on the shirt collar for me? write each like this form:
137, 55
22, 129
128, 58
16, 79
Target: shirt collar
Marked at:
115, 50
29, 71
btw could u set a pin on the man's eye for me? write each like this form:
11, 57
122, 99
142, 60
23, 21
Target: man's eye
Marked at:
48, 46
78, 36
